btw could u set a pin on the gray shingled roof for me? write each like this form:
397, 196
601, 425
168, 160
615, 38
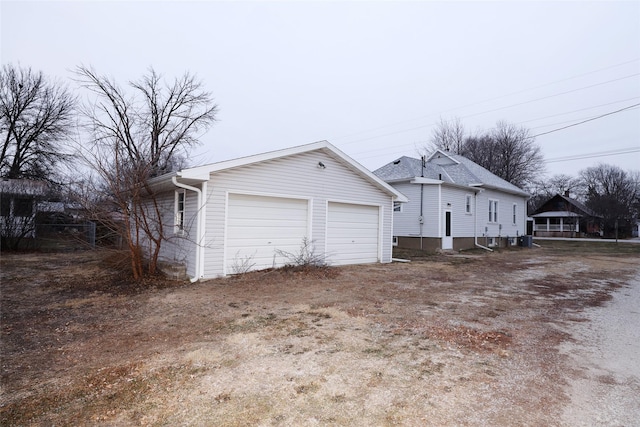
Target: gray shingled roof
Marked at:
465, 172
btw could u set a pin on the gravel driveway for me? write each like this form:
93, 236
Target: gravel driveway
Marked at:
605, 389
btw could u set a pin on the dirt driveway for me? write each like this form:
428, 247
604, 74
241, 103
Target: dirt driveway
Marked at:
477, 339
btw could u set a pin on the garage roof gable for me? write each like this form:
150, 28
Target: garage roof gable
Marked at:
202, 173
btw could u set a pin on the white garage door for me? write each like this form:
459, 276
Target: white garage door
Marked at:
352, 234
258, 226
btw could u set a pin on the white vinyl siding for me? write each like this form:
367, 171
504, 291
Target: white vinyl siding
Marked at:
352, 233
179, 247
505, 211
260, 229
406, 223
455, 200
296, 176
430, 210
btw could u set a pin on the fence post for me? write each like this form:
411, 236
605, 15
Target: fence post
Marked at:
91, 234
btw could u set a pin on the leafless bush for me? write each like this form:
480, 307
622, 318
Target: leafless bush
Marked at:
242, 265
305, 257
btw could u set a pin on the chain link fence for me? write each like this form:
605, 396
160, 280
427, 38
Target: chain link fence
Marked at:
65, 237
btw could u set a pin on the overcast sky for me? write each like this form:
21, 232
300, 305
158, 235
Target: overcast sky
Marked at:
373, 78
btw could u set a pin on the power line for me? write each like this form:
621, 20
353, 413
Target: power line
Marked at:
575, 111
533, 136
592, 155
491, 111
493, 99
551, 96
588, 120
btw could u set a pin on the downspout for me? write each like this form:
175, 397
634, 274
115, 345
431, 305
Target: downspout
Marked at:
421, 218
475, 224
440, 212
174, 179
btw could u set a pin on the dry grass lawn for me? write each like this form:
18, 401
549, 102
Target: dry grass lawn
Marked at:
469, 339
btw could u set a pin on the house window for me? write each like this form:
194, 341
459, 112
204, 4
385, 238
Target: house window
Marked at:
493, 211
22, 207
515, 214
467, 204
180, 198
397, 207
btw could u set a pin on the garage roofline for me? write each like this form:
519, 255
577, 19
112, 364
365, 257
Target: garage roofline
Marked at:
200, 174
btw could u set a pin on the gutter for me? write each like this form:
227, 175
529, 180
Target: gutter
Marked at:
199, 228
475, 225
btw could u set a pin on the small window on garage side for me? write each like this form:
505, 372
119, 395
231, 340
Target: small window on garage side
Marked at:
397, 206
515, 213
23, 207
180, 202
467, 203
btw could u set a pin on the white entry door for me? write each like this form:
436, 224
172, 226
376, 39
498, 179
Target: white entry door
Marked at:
352, 233
447, 235
258, 227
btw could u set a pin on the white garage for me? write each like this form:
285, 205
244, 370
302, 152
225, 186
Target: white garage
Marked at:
260, 226
353, 233
242, 212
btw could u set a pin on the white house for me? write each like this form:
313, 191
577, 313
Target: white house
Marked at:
247, 211
453, 204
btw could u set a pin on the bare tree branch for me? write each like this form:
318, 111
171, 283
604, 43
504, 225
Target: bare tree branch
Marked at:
448, 136
137, 137
36, 115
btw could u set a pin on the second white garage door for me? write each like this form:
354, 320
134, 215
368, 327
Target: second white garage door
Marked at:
259, 226
352, 233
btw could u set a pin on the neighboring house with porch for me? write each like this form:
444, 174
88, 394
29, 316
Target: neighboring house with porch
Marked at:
245, 214
454, 203
562, 216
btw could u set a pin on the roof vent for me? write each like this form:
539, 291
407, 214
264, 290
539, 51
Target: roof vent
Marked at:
396, 162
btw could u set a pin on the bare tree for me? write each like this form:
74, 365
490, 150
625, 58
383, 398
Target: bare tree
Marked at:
508, 151
564, 184
543, 189
135, 138
614, 194
36, 114
448, 136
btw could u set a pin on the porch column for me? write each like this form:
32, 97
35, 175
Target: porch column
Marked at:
561, 224
547, 224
